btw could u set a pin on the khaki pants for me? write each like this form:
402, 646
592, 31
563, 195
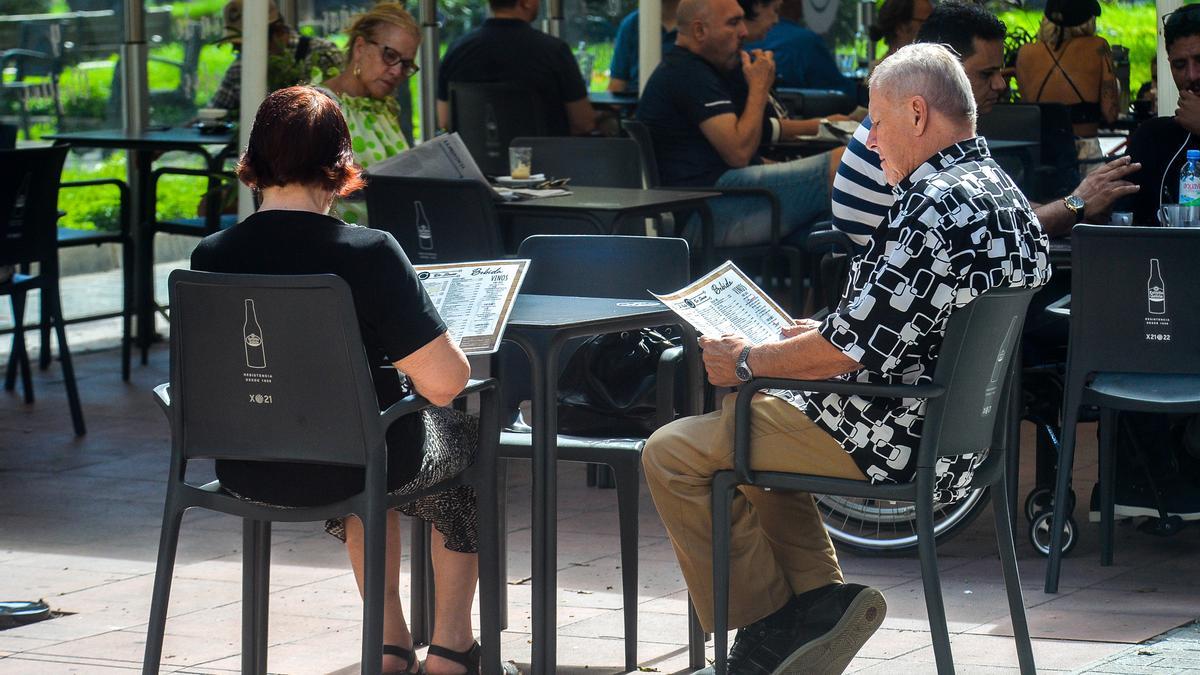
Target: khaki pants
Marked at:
779, 547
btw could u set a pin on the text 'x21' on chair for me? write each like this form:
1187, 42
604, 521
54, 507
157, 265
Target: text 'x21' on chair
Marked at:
1135, 346
308, 397
29, 182
971, 383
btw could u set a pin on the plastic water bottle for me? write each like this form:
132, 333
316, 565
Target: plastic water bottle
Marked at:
1189, 180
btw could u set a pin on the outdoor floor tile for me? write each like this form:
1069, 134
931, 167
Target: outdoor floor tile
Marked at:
81, 520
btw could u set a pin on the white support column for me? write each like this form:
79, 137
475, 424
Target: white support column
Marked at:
1168, 94
429, 68
554, 18
135, 111
254, 84
649, 39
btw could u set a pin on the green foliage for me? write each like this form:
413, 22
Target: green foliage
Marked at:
99, 207
24, 6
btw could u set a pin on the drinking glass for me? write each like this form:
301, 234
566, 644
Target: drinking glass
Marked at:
520, 162
1178, 215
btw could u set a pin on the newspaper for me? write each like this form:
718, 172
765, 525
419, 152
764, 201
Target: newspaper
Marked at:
474, 299
439, 157
726, 302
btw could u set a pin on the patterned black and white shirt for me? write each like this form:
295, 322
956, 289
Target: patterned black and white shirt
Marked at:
959, 227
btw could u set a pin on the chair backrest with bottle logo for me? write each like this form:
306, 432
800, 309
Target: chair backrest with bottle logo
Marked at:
1135, 300
488, 115
436, 220
270, 368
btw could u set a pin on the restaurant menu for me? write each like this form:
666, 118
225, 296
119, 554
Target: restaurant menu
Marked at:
474, 299
726, 302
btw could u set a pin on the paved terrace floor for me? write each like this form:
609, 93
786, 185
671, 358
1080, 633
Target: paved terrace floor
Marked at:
79, 522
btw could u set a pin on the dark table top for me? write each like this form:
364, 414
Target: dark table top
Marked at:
610, 98
150, 139
610, 199
566, 311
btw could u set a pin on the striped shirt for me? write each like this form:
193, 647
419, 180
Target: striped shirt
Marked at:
861, 196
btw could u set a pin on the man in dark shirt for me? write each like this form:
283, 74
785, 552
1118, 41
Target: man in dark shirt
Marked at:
802, 59
958, 229
1161, 144
507, 49
707, 109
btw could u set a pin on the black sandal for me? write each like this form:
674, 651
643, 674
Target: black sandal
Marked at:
468, 659
410, 659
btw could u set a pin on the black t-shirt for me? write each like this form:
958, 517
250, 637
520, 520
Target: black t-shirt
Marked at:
510, 50
683, 91
1161, 146
395, 317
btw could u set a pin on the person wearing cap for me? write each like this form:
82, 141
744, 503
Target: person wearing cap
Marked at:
292, 58
1070, 64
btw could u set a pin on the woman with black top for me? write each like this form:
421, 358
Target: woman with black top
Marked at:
1070, 64
299, 159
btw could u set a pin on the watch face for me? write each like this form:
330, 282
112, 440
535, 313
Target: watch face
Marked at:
1075, 203
743, 372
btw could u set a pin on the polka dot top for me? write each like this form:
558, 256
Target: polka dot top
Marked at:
375, 135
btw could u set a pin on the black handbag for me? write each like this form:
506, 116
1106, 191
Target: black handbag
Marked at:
609, 385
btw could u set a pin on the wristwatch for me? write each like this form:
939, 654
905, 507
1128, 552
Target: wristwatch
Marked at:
742, 369
1075, 205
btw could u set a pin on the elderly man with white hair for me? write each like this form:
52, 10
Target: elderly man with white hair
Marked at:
959, 227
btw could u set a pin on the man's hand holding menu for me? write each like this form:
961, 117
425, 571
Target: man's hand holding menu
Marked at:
732, 314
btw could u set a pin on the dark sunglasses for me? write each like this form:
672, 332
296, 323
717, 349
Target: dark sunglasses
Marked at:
1185, 13
392, 58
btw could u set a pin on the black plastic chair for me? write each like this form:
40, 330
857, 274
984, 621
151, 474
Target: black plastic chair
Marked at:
320, 407
40, 56
1134, 331
435, 219
617, 267
8, 136
767, 253
587, 160
212, 221
29, 181
488, 115
70, 238
971, 384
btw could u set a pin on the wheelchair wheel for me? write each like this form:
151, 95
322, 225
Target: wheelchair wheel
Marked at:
1041, 500
874, 526
1039, 533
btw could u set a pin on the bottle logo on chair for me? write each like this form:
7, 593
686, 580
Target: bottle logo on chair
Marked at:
256, 353
1156, 290
424, 229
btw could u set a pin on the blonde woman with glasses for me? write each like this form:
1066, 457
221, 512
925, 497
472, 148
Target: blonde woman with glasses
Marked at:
380, 57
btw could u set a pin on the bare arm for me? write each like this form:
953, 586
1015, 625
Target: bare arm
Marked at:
581, 117
736, 138
443, 114
1099, 191
1109, 88
438, 370
806, 355
616, 85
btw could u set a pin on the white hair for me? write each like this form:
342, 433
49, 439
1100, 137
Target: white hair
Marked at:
930, 71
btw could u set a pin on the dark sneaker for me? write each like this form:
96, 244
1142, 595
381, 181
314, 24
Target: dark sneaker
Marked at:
760, 646
834, 623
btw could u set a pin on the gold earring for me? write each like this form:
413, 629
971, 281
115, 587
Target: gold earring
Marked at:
357, 70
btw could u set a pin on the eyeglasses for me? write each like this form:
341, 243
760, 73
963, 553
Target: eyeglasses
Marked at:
392, 58
1185, 13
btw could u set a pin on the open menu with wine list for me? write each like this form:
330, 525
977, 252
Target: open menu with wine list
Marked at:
474, 299
727, 302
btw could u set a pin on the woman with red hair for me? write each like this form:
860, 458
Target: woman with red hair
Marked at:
298, 160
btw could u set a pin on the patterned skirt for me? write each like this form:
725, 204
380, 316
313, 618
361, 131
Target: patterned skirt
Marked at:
451, 438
